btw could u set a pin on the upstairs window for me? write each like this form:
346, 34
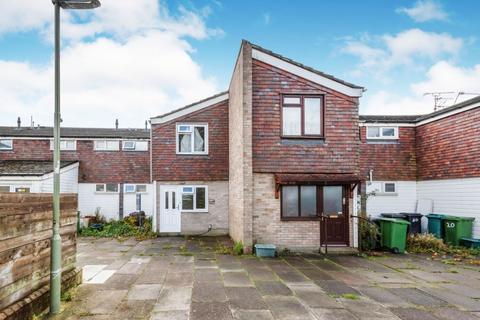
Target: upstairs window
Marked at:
382, 133
131, 145
6, 144
106, 145
65, 145
302, 116
192, 139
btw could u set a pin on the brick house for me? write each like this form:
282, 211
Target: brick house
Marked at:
428, 163
266, 160
112, 165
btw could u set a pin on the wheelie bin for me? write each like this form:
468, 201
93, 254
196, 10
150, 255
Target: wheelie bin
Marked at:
394, 234
457, 228
415, 220
435, 225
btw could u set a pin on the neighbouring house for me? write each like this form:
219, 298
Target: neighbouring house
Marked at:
112, 165
267, 159
424, 163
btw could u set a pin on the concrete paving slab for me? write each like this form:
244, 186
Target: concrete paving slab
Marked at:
119, 282
413, 314
335, 287
262, 274
327, 265
333, 314
172, 299
462, 290
207, 275
101, 277
273, 288
131, 268
314, 297
384, 278
350, 278
152, 277
103, 302
236, 279
287, 308
170, 315
383, 296
144, 292
315, 274
367, 309
453, 313
252, 315
183, 279
245, 298
134, 309
209, 292
293, 277
418, 297
210, 311
453, 298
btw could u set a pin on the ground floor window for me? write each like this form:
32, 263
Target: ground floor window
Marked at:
4, 189
106, 187
22, 190
195, 198
305, 202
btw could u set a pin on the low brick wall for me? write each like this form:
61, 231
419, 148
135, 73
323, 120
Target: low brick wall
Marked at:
25, 232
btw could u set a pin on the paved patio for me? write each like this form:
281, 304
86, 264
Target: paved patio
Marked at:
177, 278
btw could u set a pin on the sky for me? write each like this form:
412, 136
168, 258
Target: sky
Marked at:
132, 60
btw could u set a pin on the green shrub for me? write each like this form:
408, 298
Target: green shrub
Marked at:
425, 243
369, 233
121, 229
238, 248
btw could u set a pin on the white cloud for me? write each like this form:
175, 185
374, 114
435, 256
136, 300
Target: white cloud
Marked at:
139, 65
404, 48
441, 77
24, 15
425, 10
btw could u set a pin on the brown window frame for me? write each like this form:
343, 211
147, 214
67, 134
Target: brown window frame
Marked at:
299, 217
302, 115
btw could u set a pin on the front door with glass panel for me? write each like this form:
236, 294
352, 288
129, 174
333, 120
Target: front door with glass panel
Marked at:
335, 209
170, 209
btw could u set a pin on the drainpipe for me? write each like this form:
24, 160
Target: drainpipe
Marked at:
120, 202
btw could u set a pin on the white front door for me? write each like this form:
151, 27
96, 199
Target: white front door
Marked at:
170, 211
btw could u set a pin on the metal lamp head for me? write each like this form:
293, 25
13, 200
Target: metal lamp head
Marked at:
79, 4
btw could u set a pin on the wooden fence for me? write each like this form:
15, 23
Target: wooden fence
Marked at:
25, 232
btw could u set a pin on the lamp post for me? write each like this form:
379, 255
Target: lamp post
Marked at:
56, 243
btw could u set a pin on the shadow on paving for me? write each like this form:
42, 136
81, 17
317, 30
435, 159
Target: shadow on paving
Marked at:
193, 278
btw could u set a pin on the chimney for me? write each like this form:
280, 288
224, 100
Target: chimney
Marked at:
146, 125
19, 122
116, 124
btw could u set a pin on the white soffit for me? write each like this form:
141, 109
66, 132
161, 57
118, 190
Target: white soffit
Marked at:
190, 109
450, 113
386, 124
306, 74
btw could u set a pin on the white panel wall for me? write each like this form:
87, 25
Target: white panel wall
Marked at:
68, 181
456, 197
89, 200
405, 200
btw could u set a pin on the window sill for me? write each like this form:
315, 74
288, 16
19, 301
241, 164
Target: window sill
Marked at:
386, 194
382, 141
97, 192
192, 154
194, 211
303, 137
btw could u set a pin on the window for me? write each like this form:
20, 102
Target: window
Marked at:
135, 145
67, 145
106, 145
382, 132
389, 187
6, 144
302, 116
382, 188
22, 190
192, 139
139, 188
307, 202
4, 189
194, 199
106, 187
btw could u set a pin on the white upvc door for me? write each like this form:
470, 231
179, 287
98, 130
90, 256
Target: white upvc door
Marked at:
170, 209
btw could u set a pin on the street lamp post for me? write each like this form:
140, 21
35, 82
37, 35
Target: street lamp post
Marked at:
56, 243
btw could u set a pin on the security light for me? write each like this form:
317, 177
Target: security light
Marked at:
78, 4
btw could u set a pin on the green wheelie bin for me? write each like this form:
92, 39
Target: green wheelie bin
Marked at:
435, 225
394, 234
457, 228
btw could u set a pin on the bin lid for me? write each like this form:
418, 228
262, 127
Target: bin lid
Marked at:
458, 218
412, 214
399, 221
265, 246
436, 215
393, 215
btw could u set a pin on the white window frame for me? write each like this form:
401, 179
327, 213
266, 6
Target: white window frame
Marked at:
105, 188
4, 186
384, 189
135, 188
96, 146
193, 125
10, 141
135, 145
378, 188
194, 192
63, 144
381, 136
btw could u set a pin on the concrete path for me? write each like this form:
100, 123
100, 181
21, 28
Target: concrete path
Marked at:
176, 278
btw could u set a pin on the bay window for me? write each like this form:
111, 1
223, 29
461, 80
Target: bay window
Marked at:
302, 116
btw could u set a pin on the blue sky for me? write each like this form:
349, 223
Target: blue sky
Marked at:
135, 60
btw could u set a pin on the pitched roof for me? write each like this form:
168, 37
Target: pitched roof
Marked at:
416, 119
67, 132
219, 97
298, 64
29, 167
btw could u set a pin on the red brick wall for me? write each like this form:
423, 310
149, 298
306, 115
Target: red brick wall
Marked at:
449, 148
167, 165
339, 153
395, 160
95, 166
